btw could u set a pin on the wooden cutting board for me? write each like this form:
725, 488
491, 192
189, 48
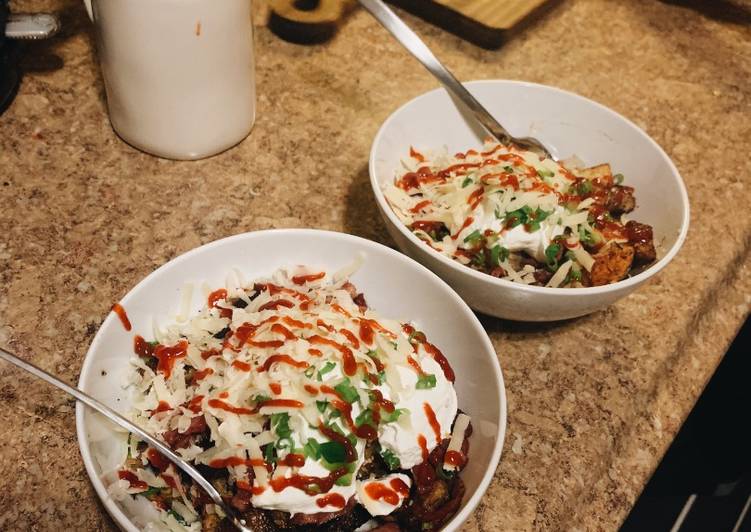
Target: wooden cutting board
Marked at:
487, 23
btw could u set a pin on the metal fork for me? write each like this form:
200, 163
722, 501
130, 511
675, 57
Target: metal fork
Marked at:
135, 429
422, 53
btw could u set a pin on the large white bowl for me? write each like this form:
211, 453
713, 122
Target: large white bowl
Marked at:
570, 125
393, 284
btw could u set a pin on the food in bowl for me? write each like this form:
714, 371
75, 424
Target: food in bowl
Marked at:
515, 215
305, 409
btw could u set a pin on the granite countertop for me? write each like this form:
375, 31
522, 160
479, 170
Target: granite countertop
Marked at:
593, 403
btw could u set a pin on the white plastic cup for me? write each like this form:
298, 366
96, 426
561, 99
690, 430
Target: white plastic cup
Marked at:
179, 74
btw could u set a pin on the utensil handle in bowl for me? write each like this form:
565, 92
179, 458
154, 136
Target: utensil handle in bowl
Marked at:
410, 40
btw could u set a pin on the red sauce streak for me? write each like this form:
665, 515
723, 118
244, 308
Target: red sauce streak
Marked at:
142, 348
243, 485
118, 309
448, 372
349, 335
199, 375
366, 332
312, 390
224, 395
287, 403
433, 421
315, 352
293, 460
282, 359
221, 405
210, 353
274, 289
270, 344
340, 310
169, 355
234, 461
157, 460
415, 365
275, 304
491, 152
241, 366
454, 458
365, 431
466, 224
378, 364
349, 451
381, 492
310, 485
378, 327
475, 198
349, 364
399, 486
420, 206
281, 329
423, 443
419, 157
323, 325
132, 479
195, 404
296, 323
332, 499
428, 227
257, 490
302, 279
276, 388
219, 295
162, 407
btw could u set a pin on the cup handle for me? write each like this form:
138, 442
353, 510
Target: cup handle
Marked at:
87, 3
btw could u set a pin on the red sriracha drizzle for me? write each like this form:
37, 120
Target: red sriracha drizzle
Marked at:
118, 309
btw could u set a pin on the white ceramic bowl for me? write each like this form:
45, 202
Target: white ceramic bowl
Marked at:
570, 125
393, 284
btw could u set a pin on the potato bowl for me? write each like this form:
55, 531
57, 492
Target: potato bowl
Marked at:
569, 125
393, 284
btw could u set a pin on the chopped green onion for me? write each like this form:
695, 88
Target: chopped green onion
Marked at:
551, 256
584, 188
177, 516
346, 391
344, 480
391, 460
618, 178
269, 454
474, 237
545, 173
365, 418
312, 449
333, 451
310, 371
508, 169
280, 424
467, 181
389, 417
498, 254
381, 377
328, 366
425, 381
479, 258
321, 405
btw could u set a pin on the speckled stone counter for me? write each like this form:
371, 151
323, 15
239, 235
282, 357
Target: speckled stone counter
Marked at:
593, 402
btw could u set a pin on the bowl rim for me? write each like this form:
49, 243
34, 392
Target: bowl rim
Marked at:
124, 522
502, 283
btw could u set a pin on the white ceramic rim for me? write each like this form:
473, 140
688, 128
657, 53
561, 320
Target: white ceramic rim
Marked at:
124, 522
483, 277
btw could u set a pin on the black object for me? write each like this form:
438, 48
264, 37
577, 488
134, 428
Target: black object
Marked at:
9, 71
708, 466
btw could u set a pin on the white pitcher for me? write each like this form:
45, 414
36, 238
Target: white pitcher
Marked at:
179, 74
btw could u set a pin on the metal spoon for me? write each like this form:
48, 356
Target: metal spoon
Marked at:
120, 420
422, 53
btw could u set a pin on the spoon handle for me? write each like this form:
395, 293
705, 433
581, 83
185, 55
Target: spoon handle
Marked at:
422, 53
135, 429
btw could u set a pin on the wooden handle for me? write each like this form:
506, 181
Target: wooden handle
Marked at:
306, 21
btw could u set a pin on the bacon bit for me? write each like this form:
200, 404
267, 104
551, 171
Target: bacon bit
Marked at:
315, 352
199, 375
275, 304
281, 329
132, 479
118, 309
302, 279
475, 198
282, 359
241, 366
466, 224
349, 335
419, 157
276, 388
420, 206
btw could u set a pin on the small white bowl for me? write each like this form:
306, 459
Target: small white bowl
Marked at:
569, 125
393, 284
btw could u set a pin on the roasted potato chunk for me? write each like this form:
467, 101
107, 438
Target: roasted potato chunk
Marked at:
612, 264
